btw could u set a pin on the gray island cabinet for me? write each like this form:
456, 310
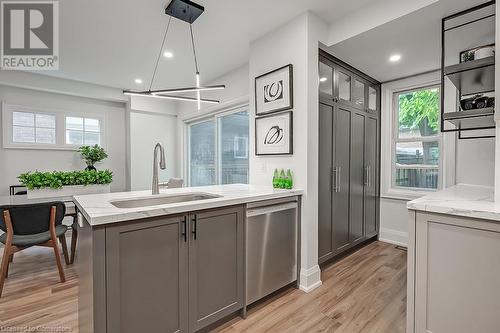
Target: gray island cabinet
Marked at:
173, 273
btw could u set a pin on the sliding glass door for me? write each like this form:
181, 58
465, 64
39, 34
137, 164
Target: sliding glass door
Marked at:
218, 149
202, 153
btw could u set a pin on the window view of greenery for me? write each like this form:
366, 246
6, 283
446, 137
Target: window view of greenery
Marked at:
417, 145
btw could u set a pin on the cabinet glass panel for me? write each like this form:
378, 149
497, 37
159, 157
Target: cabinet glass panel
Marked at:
372, 98
359, 93
344, 86
325, 79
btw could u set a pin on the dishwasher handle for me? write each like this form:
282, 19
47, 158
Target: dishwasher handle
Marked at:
271, 209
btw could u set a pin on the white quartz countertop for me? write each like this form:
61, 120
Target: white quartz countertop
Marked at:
460, 200
98, 209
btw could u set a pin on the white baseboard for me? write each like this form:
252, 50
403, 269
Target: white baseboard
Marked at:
310, 279
393, 237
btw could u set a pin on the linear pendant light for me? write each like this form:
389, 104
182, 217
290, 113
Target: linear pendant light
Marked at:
186, 11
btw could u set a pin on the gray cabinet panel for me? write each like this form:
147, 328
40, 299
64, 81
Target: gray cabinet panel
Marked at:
342, 165
216, 262
147, 276
357, 178
325, 176
371, 169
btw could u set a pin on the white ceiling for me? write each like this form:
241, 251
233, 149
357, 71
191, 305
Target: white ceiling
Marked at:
416, 37
113, 42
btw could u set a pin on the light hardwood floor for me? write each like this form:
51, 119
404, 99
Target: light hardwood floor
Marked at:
364, 292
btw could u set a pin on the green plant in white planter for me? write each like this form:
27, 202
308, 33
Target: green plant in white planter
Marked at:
66, 183
92, 155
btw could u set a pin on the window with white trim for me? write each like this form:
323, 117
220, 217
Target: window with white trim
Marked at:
26, 127
83, 131
416, 139
31, 127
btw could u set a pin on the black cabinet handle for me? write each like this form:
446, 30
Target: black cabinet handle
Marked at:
195, 221
184, 228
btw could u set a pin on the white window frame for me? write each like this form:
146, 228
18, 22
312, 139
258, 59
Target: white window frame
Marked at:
86, 116
390, 130
214, 116
7, 124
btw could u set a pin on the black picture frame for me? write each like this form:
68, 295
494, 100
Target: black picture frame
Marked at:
290, 129
290, 91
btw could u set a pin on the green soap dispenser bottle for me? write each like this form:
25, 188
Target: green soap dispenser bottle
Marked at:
289, 179
282, 182
276, 179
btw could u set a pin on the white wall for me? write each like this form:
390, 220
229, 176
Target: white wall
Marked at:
15, 161
294, 43
146, 129
152, 120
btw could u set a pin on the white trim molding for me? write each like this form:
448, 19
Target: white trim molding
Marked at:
310, 279
447, 146
392, 236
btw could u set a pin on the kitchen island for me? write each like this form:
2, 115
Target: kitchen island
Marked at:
173, 262
454, 261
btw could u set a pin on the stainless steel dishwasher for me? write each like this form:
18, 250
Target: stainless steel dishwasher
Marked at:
271, 246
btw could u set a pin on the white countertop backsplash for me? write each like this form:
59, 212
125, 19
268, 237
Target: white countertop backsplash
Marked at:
460, 200
97, 208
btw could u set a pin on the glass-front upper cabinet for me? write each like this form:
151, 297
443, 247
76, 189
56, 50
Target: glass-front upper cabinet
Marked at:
359, 94
372, 99
325, 79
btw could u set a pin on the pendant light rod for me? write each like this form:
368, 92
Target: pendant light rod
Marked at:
159, 53
175, 97
194, 50
188, 89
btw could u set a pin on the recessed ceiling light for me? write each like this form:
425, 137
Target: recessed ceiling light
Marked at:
395, 58
138, 81
323, 79
168, 54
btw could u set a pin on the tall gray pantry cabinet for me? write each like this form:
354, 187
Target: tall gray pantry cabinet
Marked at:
349, 157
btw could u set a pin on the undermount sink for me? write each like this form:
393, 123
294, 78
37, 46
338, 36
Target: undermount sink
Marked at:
163, 200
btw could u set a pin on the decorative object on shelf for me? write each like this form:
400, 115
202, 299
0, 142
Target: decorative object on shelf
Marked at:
475, 102
276, 179
92, 155
477, 53
65, 183
274, 91
274, 134
186, 11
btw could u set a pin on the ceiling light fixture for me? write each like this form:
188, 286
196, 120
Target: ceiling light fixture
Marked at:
138, 81
323, 79
186, 11
395, 58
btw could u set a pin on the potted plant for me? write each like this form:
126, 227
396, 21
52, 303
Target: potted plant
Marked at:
92, 155
66, 183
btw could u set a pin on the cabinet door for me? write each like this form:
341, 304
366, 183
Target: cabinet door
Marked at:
457, 269
371, 176
357, 178
342, 142
325, 182
215, 265
147, 276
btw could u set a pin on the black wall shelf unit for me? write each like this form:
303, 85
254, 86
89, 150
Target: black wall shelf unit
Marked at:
468, 72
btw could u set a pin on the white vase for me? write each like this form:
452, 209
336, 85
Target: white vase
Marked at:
68, 191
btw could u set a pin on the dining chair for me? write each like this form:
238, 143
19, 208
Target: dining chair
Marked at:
30, 225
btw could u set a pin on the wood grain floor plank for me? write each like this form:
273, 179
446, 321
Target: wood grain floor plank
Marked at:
362, 293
